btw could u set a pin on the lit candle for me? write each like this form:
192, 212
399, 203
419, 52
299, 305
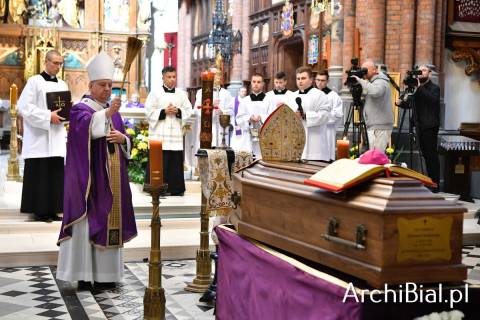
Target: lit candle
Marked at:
156, 163
13, 96
343, 147
207, 75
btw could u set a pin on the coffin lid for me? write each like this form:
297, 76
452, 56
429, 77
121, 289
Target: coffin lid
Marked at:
383, 195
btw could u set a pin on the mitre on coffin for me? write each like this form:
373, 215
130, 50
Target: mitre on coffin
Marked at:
282, 137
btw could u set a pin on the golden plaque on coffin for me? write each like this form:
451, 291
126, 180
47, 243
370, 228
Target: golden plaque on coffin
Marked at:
282, 137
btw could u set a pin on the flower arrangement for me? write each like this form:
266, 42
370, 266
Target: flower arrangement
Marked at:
354, 153
139, 153
393, 154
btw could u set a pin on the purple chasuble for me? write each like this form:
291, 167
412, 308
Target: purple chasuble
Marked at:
87, 187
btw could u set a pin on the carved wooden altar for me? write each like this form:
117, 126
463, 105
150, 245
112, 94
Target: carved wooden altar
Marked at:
98, 27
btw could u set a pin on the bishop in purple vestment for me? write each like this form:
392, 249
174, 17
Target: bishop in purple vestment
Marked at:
98, 213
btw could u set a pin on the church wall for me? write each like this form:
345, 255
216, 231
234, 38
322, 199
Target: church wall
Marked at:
392, 35
461, 94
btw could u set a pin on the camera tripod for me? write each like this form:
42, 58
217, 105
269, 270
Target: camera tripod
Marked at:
412, 135
359, 130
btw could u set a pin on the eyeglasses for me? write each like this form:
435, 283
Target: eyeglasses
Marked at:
57, 63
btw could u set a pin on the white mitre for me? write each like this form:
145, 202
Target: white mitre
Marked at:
100, 67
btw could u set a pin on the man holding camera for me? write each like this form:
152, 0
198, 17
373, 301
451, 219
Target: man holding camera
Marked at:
378, 106
426, 104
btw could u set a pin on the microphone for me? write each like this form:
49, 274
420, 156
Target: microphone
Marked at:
298, 100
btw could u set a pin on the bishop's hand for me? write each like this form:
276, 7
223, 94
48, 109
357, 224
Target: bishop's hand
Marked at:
116, 136
114, 107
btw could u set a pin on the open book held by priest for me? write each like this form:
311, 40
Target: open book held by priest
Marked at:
345, 173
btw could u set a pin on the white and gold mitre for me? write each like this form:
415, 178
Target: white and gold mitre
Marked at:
100, 67
282, 137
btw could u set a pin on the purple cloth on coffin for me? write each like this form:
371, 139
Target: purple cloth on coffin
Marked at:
254, 284
77, 171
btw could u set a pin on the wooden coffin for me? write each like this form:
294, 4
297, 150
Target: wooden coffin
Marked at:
389, 230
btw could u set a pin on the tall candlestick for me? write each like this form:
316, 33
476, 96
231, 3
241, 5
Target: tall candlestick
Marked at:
156, 163
343, 147
13, 96
13, 167
207, 110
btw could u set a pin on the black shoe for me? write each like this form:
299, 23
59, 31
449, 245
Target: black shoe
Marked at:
105, 285
56, 218
180, 194
84, 286
42, 218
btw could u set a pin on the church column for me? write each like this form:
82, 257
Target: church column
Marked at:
335, 68
188, 47
407, 36
375, 31
348, 33
439, 38
236, 73
245, 40
182, 16
425, 36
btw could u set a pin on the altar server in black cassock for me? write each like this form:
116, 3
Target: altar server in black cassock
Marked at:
44, 143
167, 110
251, 115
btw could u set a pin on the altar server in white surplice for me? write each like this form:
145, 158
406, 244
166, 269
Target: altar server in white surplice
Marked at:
314, 108
336, 114
252, 113
167, 110
44, 143
280, 94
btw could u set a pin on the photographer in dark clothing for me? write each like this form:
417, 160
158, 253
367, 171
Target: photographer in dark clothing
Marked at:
426, 101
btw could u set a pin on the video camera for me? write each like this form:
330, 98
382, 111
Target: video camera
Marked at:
355, 70
411, 84
411, 79
352, 83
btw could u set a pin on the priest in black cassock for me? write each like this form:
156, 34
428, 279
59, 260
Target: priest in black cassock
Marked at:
44, 143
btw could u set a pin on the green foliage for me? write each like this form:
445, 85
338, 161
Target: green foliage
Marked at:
139, 154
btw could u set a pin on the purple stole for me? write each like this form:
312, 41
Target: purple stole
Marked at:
238, 132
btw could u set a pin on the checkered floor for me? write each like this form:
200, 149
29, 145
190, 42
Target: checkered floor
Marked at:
33, 293
471, 258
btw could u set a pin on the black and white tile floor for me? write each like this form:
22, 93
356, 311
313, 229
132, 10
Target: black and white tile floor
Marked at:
33, 293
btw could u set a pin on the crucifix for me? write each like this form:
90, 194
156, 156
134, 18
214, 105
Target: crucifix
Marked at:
170, 47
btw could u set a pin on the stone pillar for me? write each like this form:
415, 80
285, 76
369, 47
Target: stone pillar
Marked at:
245, 40
182, 16
335, 69
348, 32
188, 47
375, 31
407, 36
348, 40
236, 72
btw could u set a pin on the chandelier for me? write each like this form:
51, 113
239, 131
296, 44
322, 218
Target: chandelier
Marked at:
221, 36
